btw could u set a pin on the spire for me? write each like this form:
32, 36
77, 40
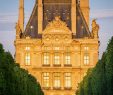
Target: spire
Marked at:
21, 15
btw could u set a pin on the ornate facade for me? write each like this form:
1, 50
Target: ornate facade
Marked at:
56, 45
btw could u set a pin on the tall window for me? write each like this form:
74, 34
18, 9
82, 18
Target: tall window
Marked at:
67, 80
27, 48
46, 58
67, 59
86, 48
46, 80
86, 59
56, 59
57, 81
27, 58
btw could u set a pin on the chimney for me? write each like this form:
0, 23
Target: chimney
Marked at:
21, 15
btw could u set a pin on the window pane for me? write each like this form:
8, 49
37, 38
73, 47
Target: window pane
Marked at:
67, 59
46, 79
56, 59
67, 80
86, 59
57, 80
46, 58
27, 59
86, 48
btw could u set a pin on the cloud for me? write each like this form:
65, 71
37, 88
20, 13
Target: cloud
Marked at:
11, 17
105, 13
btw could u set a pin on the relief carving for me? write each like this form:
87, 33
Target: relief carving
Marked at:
57, 24
56, 31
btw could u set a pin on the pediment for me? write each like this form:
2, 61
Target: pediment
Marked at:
57, 26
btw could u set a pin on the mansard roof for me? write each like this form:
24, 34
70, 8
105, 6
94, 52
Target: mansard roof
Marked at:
82, 27
56, 1
50, 10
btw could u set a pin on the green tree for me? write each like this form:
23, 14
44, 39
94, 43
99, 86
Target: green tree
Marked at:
15, 80
99, 81
109, 67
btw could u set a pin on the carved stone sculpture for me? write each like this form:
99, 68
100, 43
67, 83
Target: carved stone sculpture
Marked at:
95, 29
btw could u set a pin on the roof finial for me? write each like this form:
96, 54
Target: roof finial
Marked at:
57, 18
78, 2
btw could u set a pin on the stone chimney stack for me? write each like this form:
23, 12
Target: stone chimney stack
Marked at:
73, 16
21, 15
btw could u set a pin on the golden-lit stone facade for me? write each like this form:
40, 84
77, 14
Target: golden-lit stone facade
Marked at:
60, 58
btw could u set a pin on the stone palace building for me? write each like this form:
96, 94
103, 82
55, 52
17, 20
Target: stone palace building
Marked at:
56, 45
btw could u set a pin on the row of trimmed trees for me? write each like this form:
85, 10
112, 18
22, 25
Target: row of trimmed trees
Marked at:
99, 80
14, 80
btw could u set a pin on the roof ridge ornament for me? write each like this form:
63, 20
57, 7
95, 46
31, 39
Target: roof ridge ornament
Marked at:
57, 18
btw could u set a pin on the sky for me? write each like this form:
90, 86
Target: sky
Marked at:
102, 10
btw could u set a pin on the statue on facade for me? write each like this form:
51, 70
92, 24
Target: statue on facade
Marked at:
95, 29
18, 31
17, 27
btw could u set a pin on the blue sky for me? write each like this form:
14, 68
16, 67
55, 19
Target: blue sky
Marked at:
102, 10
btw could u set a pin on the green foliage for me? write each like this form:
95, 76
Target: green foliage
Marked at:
14, 80
99, 80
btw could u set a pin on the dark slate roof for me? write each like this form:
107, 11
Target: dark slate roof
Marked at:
54, 8
51, 10
56, 1
82, 27
32, 25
